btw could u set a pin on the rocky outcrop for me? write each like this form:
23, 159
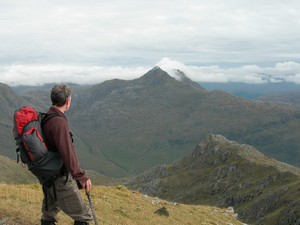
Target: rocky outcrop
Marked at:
224, 173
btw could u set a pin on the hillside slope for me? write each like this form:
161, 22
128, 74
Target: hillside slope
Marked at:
9, 102
113, 206
224, 173
13, 173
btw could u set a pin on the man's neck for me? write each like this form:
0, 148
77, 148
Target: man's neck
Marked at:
60, 108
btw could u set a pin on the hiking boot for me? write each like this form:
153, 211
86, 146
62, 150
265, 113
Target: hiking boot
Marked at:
45, 222
80, 223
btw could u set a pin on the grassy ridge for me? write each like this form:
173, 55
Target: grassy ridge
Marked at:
114, 205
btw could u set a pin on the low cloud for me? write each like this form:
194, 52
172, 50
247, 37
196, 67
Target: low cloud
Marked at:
14, 75
88, 74
280, 72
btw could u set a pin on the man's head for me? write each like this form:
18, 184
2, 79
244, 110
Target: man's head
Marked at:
61, 95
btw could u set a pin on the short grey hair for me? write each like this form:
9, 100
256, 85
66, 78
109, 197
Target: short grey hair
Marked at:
60, 93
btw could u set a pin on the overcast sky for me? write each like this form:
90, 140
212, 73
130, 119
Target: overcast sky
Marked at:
90, 41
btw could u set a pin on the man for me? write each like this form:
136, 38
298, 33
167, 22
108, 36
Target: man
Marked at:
65, 195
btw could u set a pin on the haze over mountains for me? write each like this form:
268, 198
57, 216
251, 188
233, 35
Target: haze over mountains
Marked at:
125, 127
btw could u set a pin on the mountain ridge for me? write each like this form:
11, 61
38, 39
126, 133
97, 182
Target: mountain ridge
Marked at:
224, 173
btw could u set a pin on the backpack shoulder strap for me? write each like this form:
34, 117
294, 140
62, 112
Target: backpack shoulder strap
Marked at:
46, 117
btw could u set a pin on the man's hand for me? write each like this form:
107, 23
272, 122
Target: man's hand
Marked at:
88, 185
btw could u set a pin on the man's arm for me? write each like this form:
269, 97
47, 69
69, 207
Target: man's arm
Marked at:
65, 147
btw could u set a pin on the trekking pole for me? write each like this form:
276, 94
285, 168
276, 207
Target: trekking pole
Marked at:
91, 206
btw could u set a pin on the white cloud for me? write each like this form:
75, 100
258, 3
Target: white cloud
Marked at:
281, 72
88, 74
40, 74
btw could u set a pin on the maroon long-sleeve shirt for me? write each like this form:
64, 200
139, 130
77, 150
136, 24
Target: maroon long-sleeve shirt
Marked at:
58, 138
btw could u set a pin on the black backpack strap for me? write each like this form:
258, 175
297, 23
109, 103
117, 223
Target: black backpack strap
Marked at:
18, 154
45, 196
46, 117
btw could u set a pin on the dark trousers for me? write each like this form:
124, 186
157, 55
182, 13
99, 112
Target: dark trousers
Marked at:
69, 200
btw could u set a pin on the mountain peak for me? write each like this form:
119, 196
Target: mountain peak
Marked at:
156, 76
219, 146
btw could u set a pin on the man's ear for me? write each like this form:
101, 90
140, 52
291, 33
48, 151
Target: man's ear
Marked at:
68, 101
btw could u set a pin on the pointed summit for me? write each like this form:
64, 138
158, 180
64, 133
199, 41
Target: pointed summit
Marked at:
156, 76
156, 71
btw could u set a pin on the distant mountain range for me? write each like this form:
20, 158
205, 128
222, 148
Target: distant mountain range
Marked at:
123, 128
224, 173
254, 91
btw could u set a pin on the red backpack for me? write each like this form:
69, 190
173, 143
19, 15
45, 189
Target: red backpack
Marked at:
31, 144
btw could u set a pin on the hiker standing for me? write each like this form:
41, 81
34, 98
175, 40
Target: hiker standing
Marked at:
63, 193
